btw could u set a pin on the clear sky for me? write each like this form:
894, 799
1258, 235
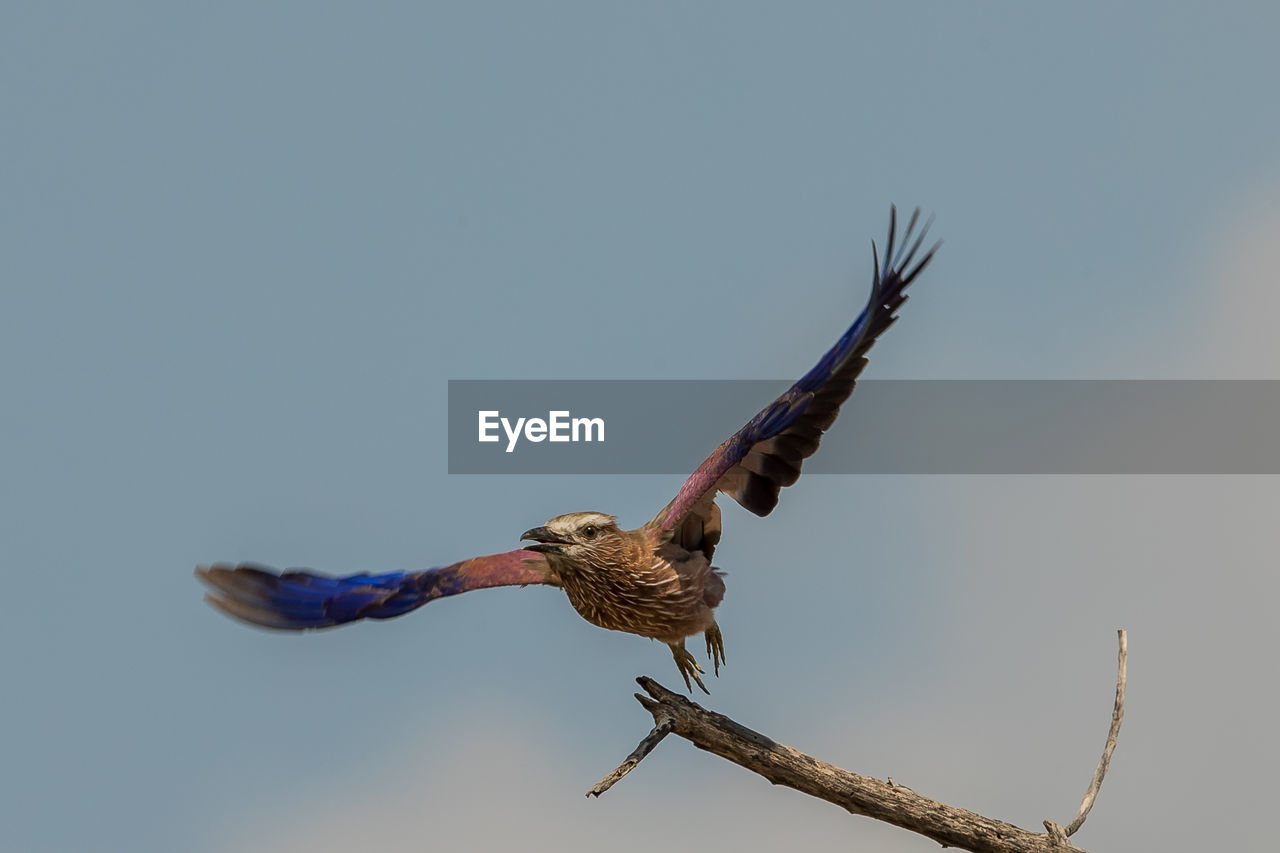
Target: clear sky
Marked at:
243, 247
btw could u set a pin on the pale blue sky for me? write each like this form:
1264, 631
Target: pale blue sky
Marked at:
243, 248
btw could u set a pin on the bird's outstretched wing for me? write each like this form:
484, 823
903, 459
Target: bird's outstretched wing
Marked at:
298, 599
753, 464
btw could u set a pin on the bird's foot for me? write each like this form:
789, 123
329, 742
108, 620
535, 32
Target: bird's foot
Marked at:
688, 666
715, 647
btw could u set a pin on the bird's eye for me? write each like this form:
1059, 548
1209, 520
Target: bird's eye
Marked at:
589, 531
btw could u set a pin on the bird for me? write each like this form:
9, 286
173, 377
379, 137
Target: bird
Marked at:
656, 580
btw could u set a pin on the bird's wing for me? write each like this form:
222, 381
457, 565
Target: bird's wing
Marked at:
753, 464
298, 599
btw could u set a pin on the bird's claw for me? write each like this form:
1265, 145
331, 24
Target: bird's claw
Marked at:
688, 666
715, 647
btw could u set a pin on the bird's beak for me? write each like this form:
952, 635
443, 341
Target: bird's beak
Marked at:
546, 539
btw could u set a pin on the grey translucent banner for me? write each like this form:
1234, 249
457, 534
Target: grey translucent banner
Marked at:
886, 427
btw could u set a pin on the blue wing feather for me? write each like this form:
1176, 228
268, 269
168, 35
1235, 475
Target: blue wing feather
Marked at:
299, 599
765, 455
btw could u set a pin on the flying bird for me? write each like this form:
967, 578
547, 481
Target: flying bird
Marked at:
656, 580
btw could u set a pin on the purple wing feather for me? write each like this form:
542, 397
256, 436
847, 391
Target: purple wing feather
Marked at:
757, 461
299, 599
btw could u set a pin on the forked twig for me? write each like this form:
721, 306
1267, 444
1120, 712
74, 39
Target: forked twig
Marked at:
662, 727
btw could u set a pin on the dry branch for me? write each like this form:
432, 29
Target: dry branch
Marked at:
1117, 716
886, 801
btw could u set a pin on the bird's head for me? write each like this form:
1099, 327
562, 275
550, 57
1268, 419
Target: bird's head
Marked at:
585, 538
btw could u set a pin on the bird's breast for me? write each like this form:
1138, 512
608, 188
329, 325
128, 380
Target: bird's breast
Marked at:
662, 598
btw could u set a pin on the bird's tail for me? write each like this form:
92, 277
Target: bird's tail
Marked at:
299, 599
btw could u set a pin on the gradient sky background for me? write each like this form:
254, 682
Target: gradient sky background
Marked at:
246, 245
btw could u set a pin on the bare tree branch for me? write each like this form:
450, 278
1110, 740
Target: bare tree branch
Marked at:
1117, 716
886, 801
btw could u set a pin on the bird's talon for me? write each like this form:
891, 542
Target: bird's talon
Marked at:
715, 647
688, 666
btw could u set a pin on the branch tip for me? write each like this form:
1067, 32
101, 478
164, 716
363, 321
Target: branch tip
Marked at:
1104, 763
662, 728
